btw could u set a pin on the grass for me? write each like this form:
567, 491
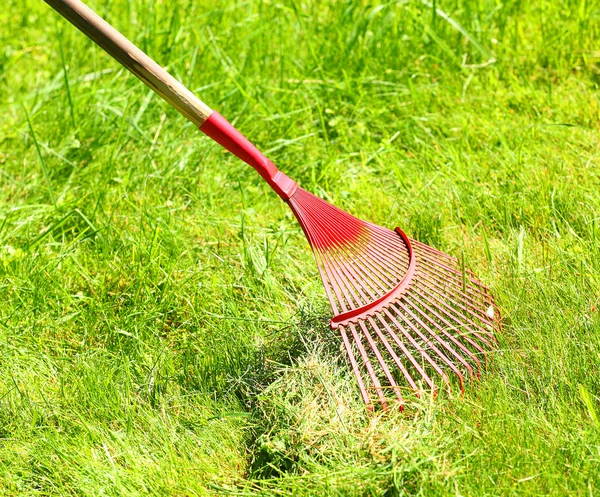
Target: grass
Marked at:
163, 330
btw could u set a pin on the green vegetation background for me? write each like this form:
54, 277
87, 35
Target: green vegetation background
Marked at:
163, 330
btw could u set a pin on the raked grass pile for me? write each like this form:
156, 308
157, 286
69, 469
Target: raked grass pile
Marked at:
163, 330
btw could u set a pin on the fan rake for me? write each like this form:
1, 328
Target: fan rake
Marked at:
409, 316
407, 313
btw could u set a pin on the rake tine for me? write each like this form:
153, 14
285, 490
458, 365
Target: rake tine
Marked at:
438, 312
393, 354
410, 357
454, 285
431, 345
450, 311
338, 281
439, 339
419, 348
311, 240
369, 366
355, 367
457, 282
381, 277
369, 278
468, 306
446, 294
351, 278
453, 260
331, 269
350, 262
381, 361
450, 326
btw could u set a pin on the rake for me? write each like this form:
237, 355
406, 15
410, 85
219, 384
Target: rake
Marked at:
410, 317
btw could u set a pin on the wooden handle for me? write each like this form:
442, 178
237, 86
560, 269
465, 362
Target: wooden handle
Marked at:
132, 58
154, 76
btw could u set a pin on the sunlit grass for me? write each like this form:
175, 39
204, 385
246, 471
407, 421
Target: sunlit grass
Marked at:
163, 330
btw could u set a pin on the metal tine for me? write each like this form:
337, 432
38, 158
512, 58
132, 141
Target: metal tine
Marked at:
468, 292
454, 260
368, 366
373, 270
418, 347
436, 299
402, 346
374, 293
369, 257
384, 243
468, 289
441, 256
332, 268
449, 263
355, 367
367, 276
387, 266
457, 299
392, 352
440, 340
460, 319
378, 274
333, 231
395, 249
451, 326
348, 271
338, 281
350, 287
431, 344
352, 293
390, 266
455, 296
310, 237
452, 351
383, 276
381, 361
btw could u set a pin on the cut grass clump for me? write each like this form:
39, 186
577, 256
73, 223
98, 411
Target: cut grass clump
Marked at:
311, 437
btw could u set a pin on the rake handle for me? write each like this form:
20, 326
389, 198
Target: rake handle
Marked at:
132, 58
172, 91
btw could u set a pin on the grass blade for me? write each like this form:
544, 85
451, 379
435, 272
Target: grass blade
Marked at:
39, 153
66, 76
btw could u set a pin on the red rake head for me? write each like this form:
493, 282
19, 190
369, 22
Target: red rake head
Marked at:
399, 300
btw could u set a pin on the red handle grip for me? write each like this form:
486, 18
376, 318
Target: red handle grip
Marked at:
220, 130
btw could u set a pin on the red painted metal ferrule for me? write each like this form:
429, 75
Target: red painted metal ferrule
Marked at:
220, 130
352, 316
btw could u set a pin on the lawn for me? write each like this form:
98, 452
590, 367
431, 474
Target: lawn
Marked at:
163, 329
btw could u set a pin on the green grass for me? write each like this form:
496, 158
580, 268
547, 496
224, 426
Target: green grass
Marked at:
163, 330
